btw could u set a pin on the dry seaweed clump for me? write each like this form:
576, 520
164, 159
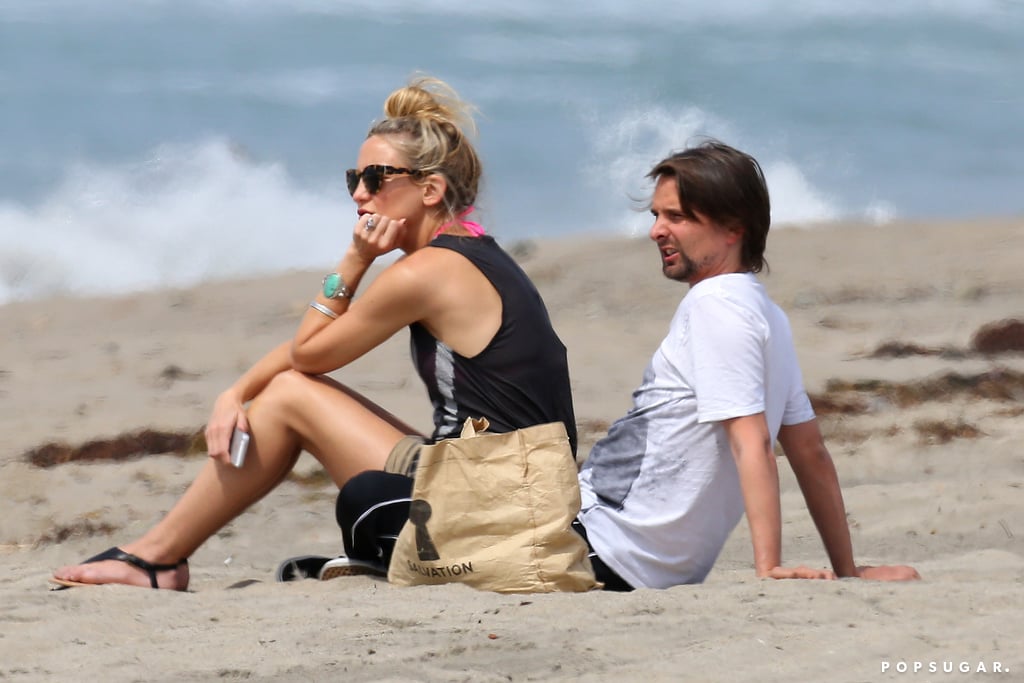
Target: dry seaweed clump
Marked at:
939, 431
999, 337
833, 404
122, 447
1003, 336
85, 527
996, 385
897, 349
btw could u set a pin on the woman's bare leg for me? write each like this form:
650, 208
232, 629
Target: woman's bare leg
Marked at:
345, 431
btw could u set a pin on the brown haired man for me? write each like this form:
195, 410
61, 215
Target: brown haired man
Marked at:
667, 485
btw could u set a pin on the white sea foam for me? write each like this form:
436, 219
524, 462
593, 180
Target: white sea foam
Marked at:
628, 147
191, 213
186, 214
794, 199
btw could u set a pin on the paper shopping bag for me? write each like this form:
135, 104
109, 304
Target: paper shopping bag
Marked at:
494, 511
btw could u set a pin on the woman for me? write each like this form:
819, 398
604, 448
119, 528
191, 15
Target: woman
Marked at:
482, 342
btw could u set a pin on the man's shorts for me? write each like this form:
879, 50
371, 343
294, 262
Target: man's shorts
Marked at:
604, 573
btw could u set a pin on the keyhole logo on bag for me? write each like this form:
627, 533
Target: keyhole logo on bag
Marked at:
426, 551
419, 513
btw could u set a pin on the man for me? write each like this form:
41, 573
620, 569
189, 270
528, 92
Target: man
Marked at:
664, 489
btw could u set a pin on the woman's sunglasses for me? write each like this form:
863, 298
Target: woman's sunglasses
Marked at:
373, 176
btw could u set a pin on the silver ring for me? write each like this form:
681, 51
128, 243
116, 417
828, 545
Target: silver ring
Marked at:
370, 224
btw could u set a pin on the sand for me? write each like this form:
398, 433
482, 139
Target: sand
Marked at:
932, 466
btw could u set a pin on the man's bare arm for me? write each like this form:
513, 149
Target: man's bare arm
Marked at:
816, 475
750, 442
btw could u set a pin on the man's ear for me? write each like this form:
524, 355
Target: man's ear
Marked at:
434, 187
736, 233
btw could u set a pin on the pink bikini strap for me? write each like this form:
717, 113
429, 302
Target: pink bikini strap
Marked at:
474, 228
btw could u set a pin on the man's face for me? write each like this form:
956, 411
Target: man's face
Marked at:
692, 249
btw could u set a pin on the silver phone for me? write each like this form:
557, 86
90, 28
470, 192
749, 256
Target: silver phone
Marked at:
239, 445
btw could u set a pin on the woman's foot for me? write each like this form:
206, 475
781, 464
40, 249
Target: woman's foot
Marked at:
117, 566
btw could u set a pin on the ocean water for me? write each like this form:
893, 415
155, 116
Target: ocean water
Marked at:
160, 143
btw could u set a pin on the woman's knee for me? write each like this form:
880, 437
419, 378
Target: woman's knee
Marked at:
285, 391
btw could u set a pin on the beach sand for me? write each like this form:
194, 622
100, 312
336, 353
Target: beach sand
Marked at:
930, 456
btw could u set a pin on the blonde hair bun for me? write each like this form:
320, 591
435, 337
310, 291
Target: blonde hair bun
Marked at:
431, 99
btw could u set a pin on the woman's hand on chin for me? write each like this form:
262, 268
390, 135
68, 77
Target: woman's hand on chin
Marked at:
374, 235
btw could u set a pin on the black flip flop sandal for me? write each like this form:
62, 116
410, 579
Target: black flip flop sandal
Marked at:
121, 556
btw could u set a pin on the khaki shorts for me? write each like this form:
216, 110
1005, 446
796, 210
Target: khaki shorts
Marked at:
405, 456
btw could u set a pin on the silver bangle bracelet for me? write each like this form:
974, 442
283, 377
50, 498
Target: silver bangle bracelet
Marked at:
316, 305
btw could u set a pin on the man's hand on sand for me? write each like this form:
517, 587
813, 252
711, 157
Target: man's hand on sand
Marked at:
800, 572
894, 572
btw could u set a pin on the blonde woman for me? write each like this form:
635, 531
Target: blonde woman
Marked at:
481, 341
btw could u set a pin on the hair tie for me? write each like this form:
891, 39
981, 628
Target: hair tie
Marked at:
474, 228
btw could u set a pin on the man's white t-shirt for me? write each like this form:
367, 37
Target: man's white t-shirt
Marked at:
661, 492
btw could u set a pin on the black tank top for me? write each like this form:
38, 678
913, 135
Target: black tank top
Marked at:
520, 379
